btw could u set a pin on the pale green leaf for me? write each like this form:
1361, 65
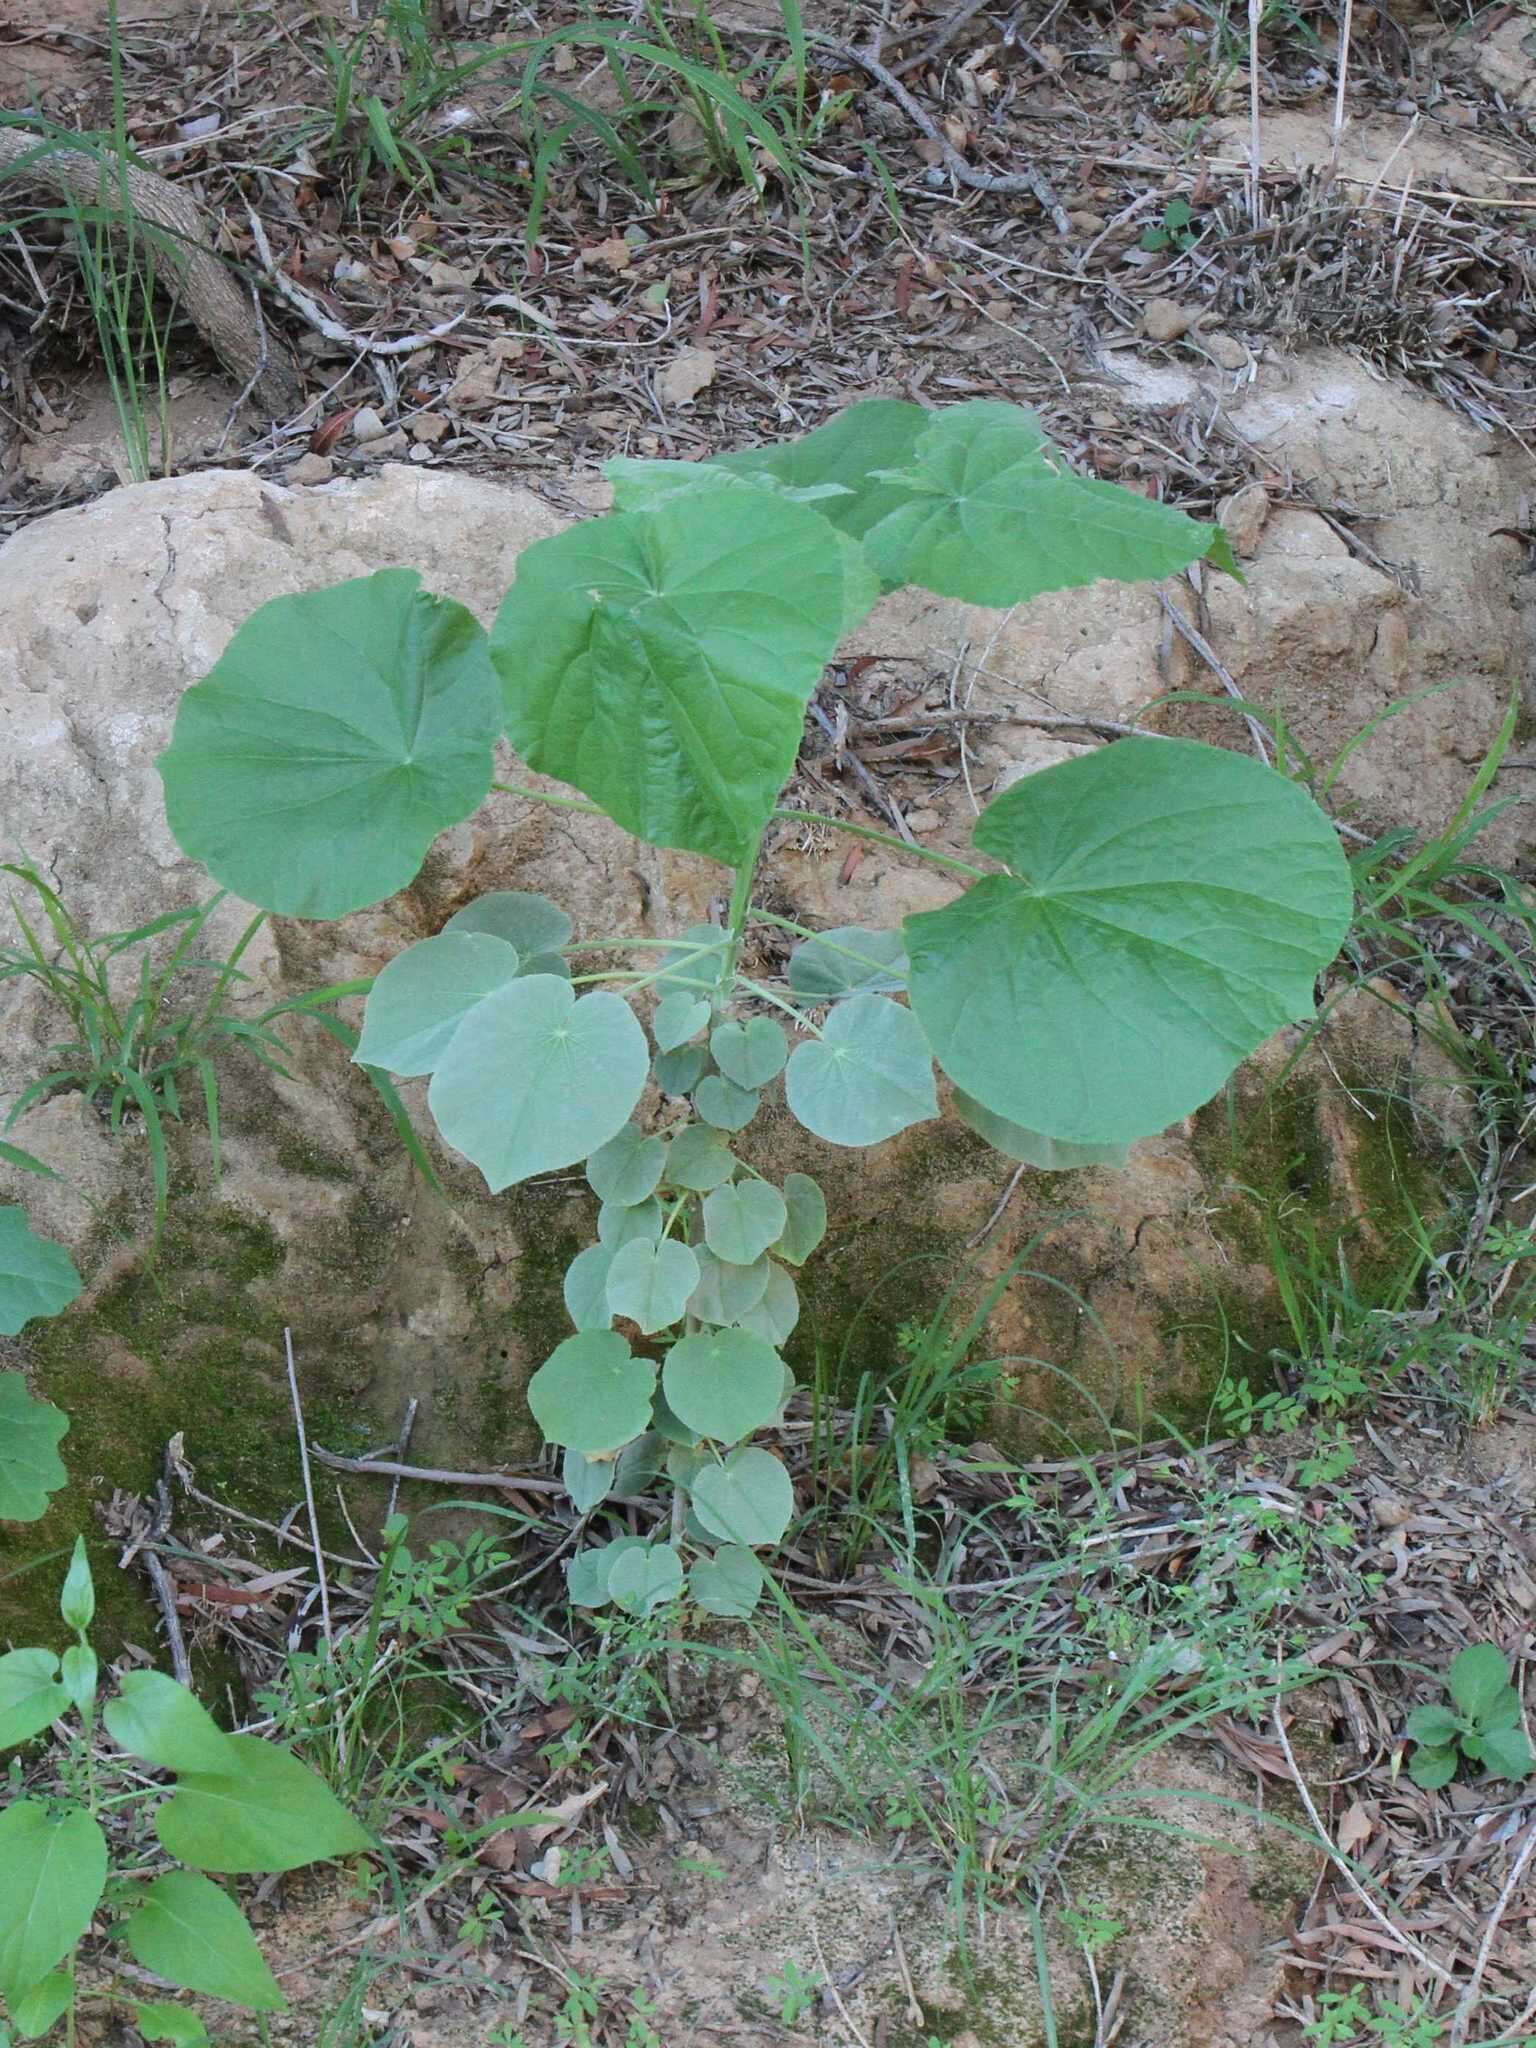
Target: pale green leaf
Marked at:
775, 1316
1502, 1752
1051, 1155
848, 960
868, 1076
265, 1811
80, 1672
31, 1697
677, 1073
664, 1424
621, 1223
748, 1499
650, 1283
586, 1288
53, 1866
38, 2009
174, 2023
729, 1583
627, 1168
419, 1000
535, 1079
587, 1576
77, 1597
591, 1394
679, 1017
1169, 908
194, 1935
726, 1292
661, 661
741, 1220
588, 1481
30, 1432
341, 731
698, 1160
37, 1278
638, 1464
749, 1054
643, 1580
723, 1104
723, 1383
806, 1220
693, 963
155, 1718
531, 924
1434, 1725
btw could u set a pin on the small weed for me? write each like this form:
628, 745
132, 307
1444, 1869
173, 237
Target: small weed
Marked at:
1174, 230
793, 1993
1481, 1726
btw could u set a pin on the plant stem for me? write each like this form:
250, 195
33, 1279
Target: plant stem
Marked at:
736, 922
940, 860
540, 796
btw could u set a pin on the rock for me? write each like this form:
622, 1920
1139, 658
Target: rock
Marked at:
388, 447
1167, 320
1087, 223
367, 425
686, 376
1244, 515
1226, 350
312, 469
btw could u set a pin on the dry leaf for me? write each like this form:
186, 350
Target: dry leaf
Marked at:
686, 376
1355, 1828
615, 254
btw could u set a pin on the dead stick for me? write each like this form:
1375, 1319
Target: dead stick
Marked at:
309, 1494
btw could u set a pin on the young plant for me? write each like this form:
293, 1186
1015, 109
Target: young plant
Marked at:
1147, 915
1481, 1726
239, 1805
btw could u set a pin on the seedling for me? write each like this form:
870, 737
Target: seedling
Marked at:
1482, 1725
1174, 230
793, 1993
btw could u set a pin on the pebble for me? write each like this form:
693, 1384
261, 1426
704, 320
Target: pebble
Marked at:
1243, 517
388, 447
1166, 319
1226, 349
367, 425
312, 469
1087, 222
923, 821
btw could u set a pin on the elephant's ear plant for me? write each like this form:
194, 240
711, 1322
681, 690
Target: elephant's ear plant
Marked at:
1138, 919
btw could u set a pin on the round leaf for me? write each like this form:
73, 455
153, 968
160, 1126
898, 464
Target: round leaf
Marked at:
621, 1223
1051, 1155
741, 1220
264, 1811
651, 1283
339, 734
424, 994
723, 1383
587, 1577
193, 1934
679, 1017
723, 1104
806, 1219
534, 1079
662, 660
849, 960
729, 1583
749, 1054
1169, 908
532, 924
586, 1288
696, 1159
775, 1316
37, 1276
726, 1292
627, 1168
748, 1499
590, 1394
868, 1076
642, 1580
30, 1431
53, 1867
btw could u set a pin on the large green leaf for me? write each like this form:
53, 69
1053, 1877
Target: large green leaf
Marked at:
661, 661
53, 1866
749, 1499
591, 1394
31, 1697
1051, 1155
30, 1432
155, 1718
265, 1811
1479, 1675
419, 1000
994, 516
339, 733
193, 1934
651, 1283
1169, 907
723, 1383
535, 1079
534, 925
877, 434
868, 1076
37, 1276
40, 2008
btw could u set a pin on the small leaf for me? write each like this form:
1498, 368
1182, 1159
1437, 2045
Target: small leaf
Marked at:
806, 1219
627, 1168
419, 1000
1502, 1711
37, 2010
1477, 1676
868, 1076
77, 1600
749, 1054
748, 1499
723, 1104
775, 1316
592, 1394
1435, 1726
1431, 1768
697, 1160
1502, 1752
723, 1383
729, 1583
531, 924
31, 1698
621, 1223
726, 1292
849, 960
339, 733
677, 1073
741, 1220
535, 1079
37, 1278
193, 1934
155, 1718
587, 1578
53, 1867
30, 1432
643, 1580
80, 1672
637, 1464
586, 1288
588, 1481
693, 964
1050, 1155
679, 1017
665, 1425
173, 2023
651, 1283
265, 1811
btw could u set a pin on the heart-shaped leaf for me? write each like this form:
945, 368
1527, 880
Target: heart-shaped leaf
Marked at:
53, 1867
627, 1168
696, 1159
264, 1811
749, 1054
31, 1697
677, 1073
775, 1316
868, 1076
723, 1104
530, 923
339, 733
37, 1276
805, 1222
741, 1220
729, 1583
651, 1283
849, 960
640, 1581
588, 1481
591, 1394
1169, 908
586, 1288
726, 1292
621, 1223
30, 1432
679, 1017
535, 1079
661, 661
419, 1000
723, 1383
193, 1934
1051, 1155
748, 1499
587, 1575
